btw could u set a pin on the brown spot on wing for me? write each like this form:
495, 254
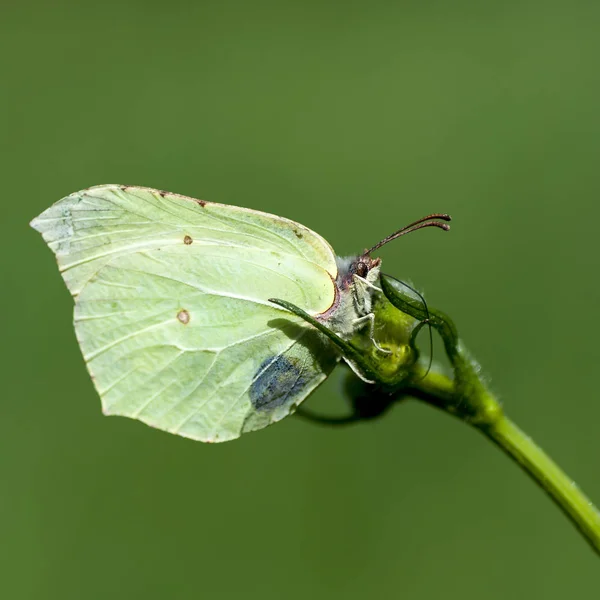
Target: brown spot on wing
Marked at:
202, 203
187, 240
183, 316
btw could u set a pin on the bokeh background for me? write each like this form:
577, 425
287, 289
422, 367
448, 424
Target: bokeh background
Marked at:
352, 118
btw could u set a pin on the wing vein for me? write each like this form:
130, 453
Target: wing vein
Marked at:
122, 339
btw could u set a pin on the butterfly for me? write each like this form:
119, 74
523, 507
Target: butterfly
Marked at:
176, 311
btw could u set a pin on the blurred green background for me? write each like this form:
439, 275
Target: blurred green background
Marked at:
353, 118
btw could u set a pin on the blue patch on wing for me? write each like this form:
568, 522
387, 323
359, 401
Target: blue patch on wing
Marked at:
278, 379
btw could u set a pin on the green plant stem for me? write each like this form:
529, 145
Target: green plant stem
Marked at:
550, 477
439, 390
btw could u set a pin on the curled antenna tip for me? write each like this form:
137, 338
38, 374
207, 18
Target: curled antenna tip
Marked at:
443, 216
443, 226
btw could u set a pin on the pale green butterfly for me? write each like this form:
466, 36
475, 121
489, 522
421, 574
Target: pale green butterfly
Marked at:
172, 309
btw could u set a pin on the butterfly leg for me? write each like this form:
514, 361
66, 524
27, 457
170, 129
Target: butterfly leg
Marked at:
370, 318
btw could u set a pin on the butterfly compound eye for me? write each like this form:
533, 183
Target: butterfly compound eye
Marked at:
362, 269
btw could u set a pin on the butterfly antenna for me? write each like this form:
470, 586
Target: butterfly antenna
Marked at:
412, 289
428, 221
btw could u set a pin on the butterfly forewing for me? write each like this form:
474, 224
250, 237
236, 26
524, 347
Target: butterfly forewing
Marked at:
172, 311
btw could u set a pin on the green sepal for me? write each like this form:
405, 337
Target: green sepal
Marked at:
467, 380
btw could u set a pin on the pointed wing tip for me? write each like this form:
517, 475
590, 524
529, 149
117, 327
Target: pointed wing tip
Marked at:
39, 223
35, 223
